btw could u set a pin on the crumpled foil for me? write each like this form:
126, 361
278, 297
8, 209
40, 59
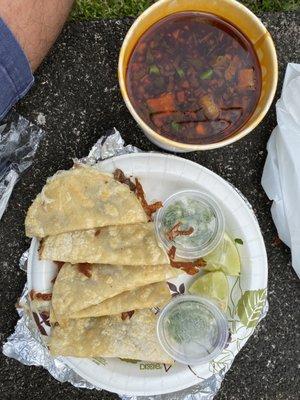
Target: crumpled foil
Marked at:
110, 145
26, 345
19, 141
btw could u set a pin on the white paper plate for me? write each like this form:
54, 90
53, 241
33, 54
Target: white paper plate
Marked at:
161, 175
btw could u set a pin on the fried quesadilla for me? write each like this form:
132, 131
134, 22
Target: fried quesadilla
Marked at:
134, 244
110, 336
82, 198
153, 295
73, 291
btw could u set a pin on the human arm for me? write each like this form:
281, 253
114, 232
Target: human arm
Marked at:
35, 24
28, 28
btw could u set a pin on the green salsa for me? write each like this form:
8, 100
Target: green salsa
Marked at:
190, 213
191, 326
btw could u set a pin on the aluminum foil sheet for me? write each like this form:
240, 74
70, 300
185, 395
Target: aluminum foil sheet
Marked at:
27, 346
110, 145
19, 141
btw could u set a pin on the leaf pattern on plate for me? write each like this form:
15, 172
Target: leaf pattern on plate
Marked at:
250, 306
181, 288
39, 324
155, 309
45, 318
239, 241
223, 362
167, 367
172, 286
194, 373
229, 339
235, 294
99, 361
175, 291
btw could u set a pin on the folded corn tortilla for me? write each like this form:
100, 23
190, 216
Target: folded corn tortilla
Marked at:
81, 198
73, 291
110, 336
153, 295
134, 244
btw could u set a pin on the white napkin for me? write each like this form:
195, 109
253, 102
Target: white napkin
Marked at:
281, 175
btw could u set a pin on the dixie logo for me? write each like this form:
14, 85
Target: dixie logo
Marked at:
150, 366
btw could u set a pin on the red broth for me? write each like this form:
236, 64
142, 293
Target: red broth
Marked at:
194, 78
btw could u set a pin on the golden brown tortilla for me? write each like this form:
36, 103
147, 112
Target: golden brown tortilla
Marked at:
73, 291
81, 198
134, 244
110, 336
153, 295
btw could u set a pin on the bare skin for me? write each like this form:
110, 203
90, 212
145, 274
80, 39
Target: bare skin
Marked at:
35, 24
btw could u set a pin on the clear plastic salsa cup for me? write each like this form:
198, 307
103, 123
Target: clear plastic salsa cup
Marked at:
197, 217
192, 329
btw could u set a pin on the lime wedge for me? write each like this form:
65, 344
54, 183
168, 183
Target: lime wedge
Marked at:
225, 258
213, 285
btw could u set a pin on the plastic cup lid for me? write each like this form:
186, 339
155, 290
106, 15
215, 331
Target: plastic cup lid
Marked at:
192, 329
190, 209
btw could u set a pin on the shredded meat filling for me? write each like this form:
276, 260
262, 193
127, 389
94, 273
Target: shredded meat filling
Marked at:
41, 248
40, 296
148, 208
122, 178
85, 269
190, 267
59, 265
139, 192
127, 314
171, 253
175, 231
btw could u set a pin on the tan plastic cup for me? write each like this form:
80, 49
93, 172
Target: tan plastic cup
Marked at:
239, 16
